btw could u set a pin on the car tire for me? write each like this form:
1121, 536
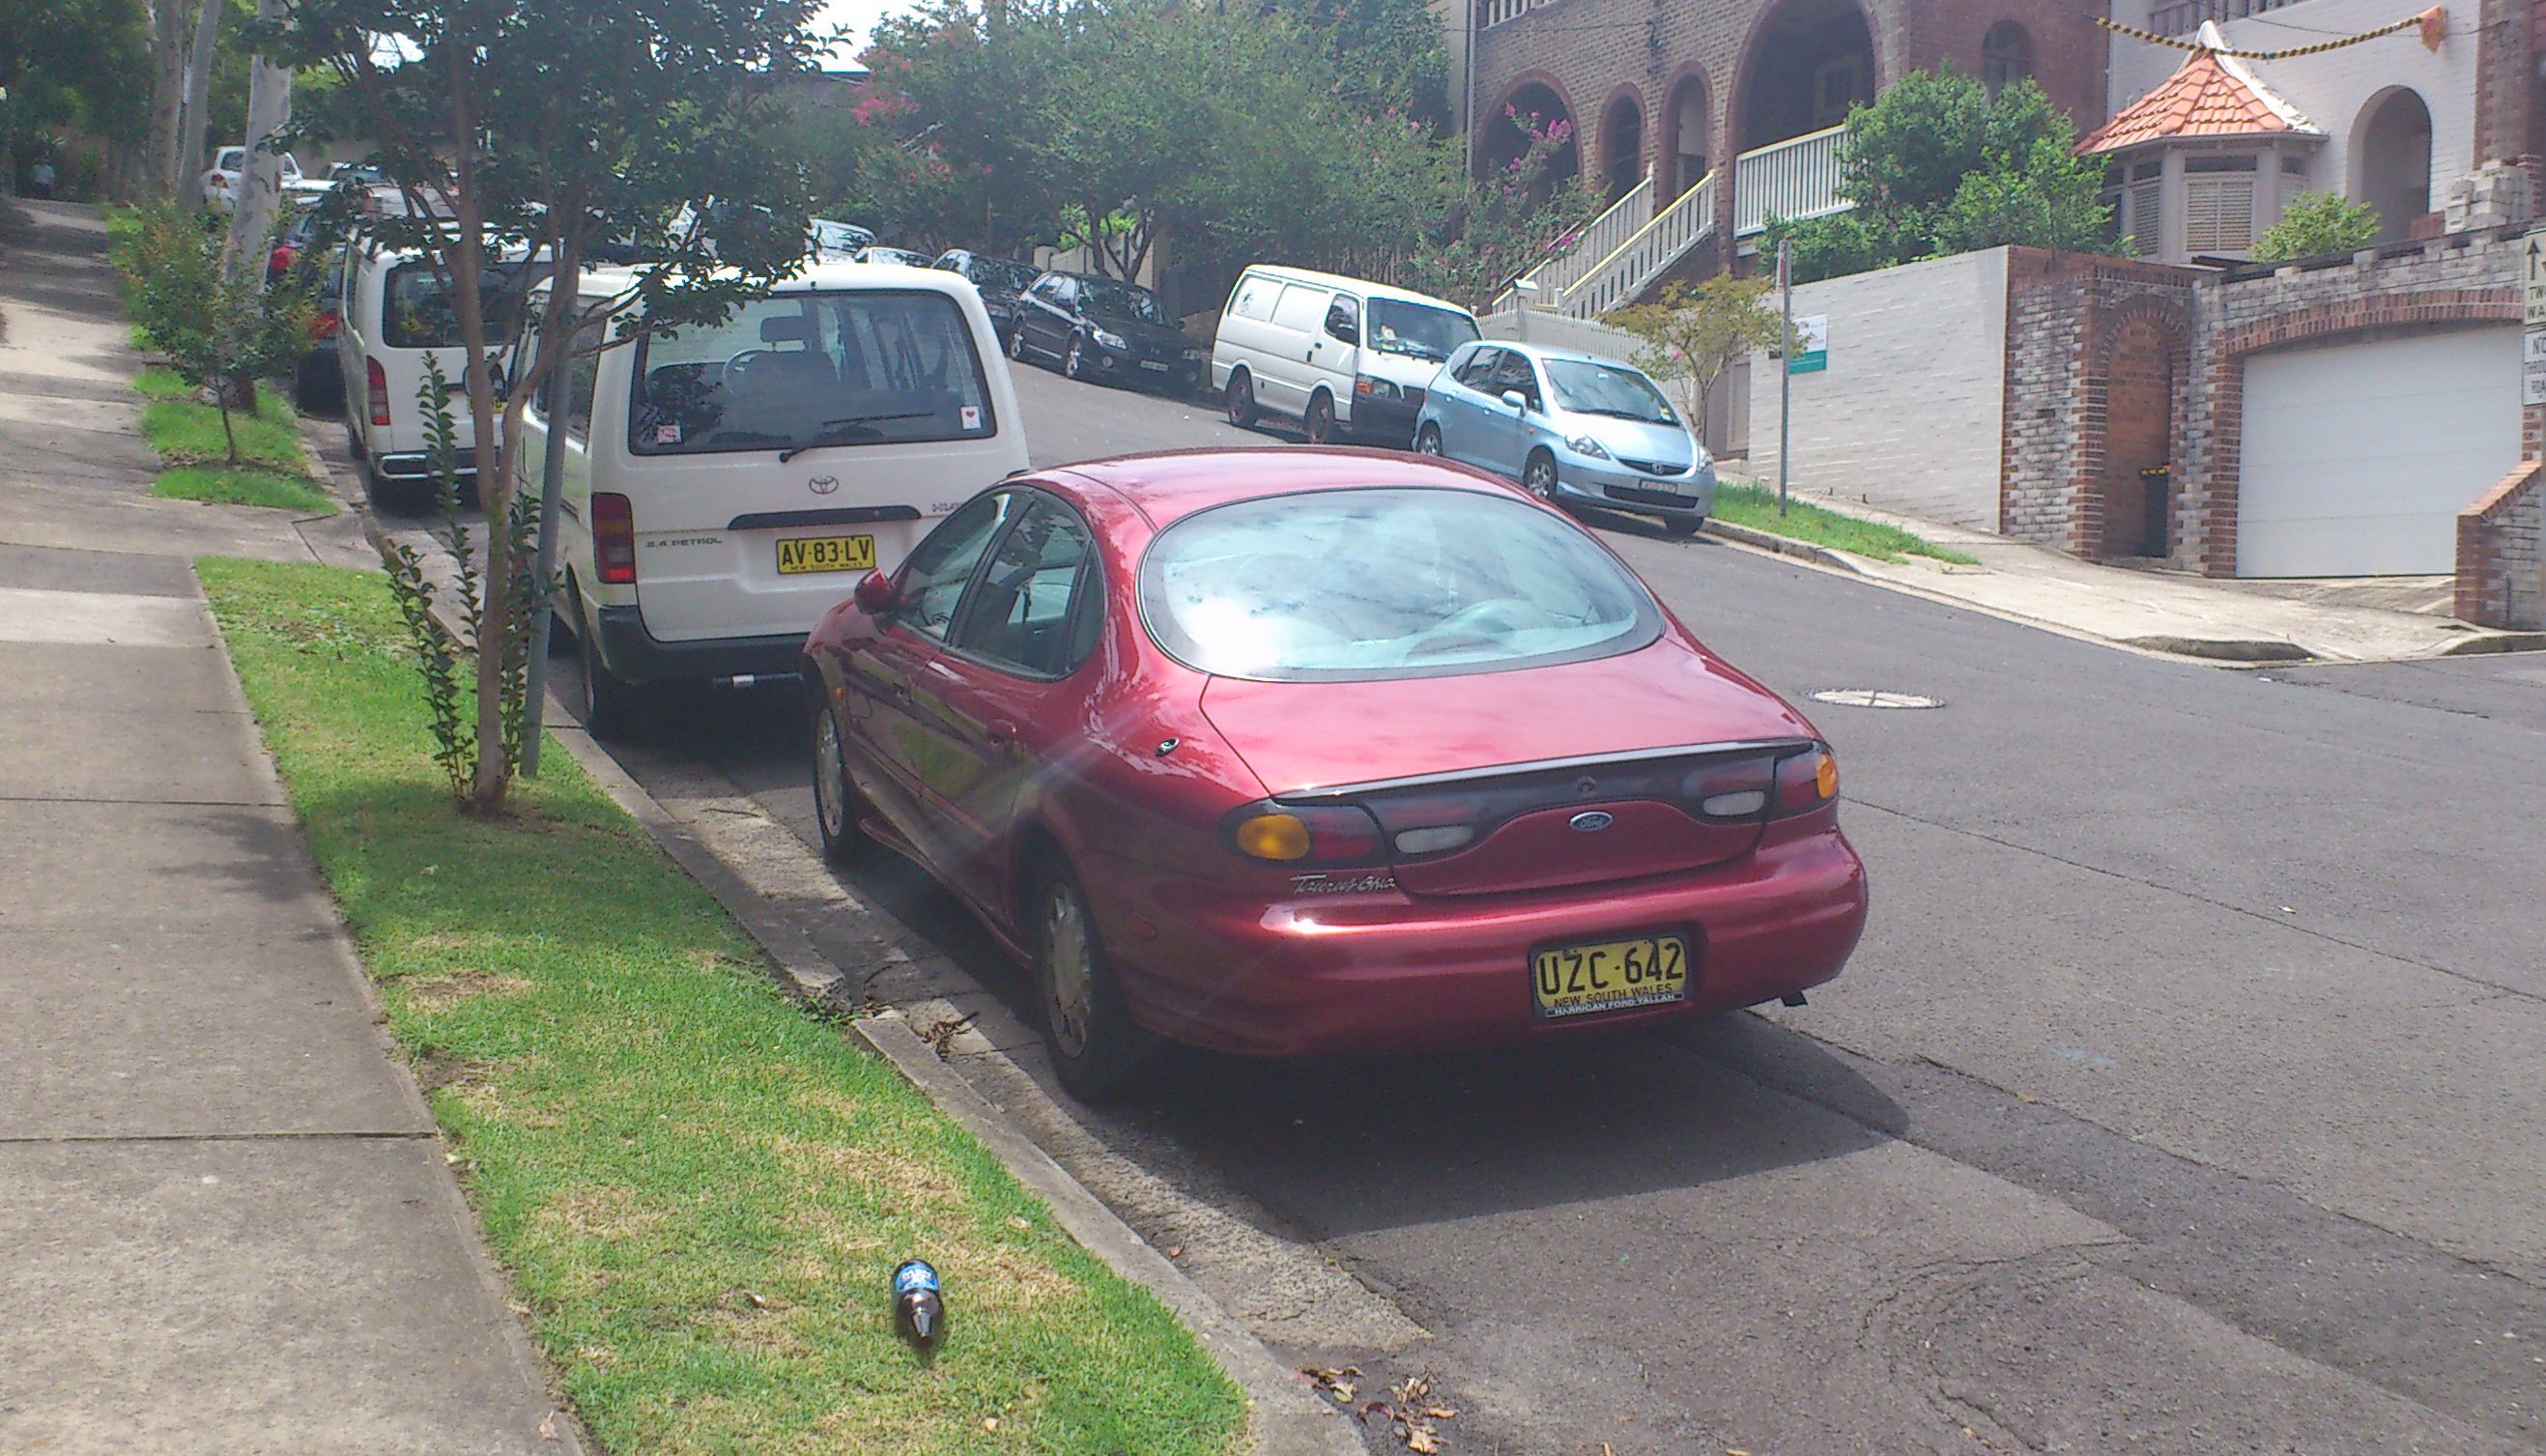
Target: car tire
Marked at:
1684, 526
1239, 400
1074, 364
1427, 441
1097, 1050
610, 704
1317, 423
836, 805
1537, 475
1017, 343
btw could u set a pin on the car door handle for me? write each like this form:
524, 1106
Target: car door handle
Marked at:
1001, 731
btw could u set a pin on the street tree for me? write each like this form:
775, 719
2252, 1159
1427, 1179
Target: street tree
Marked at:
1493, 228
68, 63
1936, 165
557, 129
1692, 336
221, 331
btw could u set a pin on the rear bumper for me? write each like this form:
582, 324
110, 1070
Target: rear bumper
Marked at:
1352, 973
634, 654
417, 465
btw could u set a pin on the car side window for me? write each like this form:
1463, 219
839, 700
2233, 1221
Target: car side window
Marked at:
1049, 290
1020, 614
940, 567
1478, 369
1515, 373
1344, 316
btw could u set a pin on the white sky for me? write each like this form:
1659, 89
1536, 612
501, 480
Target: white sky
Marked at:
859, 16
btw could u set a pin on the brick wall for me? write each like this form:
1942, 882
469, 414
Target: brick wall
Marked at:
2072, 324
2501, 566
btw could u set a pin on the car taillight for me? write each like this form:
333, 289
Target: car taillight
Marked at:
613, 539
279, 260
376, 383
1302, 834
326, 323
1807, 781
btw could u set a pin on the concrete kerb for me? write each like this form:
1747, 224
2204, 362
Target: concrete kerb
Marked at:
1784, 545
1287, 1418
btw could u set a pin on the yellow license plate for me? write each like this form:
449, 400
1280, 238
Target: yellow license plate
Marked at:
1609, 975
826, 554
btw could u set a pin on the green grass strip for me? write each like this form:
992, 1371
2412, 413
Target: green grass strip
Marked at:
698, 1188
247, 485
1756, 507
188, 433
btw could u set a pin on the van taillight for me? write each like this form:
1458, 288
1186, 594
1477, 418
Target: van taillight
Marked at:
613, 539
376, 381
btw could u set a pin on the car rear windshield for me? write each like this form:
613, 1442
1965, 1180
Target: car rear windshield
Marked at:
1122, 300
843, 366
1608, 389
1002, 275
1418, 329
1355, 585
416, 311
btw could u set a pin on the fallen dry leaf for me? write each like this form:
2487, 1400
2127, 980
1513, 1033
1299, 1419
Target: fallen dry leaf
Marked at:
548, 1428
1334, 1381
941, 1035
1175, 1250
989, 1422
1420, 1439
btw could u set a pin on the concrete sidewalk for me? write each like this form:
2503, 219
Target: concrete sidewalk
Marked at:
2165, 611
228, 1221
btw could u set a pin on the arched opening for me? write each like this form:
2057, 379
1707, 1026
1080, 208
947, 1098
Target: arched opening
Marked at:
1685, 125
1622, 145
2394, 145
2007, 56
1532, 109
1810, 61
2138, 492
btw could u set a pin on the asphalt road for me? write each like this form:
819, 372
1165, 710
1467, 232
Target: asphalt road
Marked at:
2183, 1095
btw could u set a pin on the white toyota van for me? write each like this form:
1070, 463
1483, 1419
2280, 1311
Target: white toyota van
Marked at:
395, 316
1348, 359
725, 486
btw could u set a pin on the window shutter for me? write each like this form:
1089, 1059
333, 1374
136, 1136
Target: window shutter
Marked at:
2142, 219
2218, 214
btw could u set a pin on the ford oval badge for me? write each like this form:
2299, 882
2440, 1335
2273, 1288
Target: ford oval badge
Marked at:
824, 484
1592, 820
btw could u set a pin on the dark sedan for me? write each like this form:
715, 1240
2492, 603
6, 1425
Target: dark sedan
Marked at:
1288, 752
1098, 329
1002, 283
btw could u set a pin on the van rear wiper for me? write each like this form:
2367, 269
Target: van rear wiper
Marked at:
856, 432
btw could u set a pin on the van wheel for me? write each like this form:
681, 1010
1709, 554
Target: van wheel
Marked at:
1318, 424
1427, 441
1538, 477
836, 807
1097, 1049
1240, 400
610, 704
1074, 365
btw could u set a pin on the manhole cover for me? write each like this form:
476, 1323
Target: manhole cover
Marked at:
1874, 697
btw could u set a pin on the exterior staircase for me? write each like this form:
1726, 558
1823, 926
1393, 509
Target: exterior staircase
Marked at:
1618, 256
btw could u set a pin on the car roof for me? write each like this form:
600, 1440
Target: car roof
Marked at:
1361, 286
815, 278
1168, 486
1552, 351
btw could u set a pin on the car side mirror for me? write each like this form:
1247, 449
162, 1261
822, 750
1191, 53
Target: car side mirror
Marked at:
875, 594
1517, 400
1344, 329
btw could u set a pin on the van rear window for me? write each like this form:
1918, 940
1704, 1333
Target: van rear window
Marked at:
416, 311
841, 366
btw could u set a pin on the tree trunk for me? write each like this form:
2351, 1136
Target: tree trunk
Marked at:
168, 30
190, 158
259, 190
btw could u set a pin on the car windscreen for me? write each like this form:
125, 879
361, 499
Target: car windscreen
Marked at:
1121, 301
416, 311
1355, 586
1418, 329
1608, 389
841, 366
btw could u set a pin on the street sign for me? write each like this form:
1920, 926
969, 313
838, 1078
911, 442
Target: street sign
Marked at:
1812, 345
2532, 367
2533, 290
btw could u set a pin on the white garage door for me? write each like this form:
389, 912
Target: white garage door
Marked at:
2357, 458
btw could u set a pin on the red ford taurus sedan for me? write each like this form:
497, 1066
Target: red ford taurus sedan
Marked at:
1316, 751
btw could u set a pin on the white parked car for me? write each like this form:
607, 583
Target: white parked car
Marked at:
395, 315
1348, 359
723, 488
230, 164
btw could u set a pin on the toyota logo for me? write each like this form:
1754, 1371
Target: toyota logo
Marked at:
824, 484
1592, 820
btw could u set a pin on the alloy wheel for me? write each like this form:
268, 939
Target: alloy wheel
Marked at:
829, 800
1074, 363
1070, 976
1428, 441
1539, 478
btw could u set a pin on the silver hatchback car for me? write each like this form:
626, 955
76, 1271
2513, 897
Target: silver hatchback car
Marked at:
1571, 427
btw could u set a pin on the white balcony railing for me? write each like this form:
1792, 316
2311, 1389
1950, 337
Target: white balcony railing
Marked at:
1635, 264
1598, 238
1793, 179
1491, 13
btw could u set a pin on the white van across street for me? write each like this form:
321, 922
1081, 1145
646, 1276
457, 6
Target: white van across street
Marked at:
725, 486
395, 317
1348, 359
